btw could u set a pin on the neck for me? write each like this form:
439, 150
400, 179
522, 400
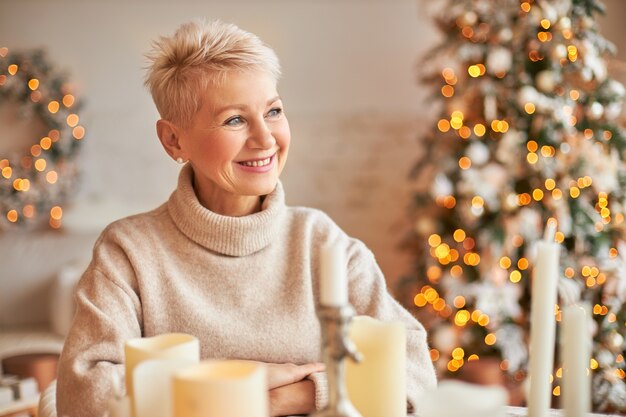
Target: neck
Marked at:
227, 204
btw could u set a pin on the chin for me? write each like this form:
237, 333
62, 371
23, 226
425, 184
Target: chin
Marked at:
261, 188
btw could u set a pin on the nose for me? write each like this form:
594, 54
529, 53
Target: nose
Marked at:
261, 136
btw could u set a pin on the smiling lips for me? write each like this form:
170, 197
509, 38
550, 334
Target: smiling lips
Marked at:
258, 165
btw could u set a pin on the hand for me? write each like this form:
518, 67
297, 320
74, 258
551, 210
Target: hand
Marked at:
293, 399
281, 374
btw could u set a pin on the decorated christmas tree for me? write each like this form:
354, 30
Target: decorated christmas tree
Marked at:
528, 131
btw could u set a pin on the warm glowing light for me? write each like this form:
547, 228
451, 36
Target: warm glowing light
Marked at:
458, 353
465, 162
550, 184
515, 276
465, 132
574, 95
547, 151
517, 241
607, 135
33, 84
4, 51
28, 211
613, 252
68, 100
433, 273
477, 201
529, 108
544, 36
574, 192
523, 264
420, 300
468, 243
532, 146
52, 177
456, 271
53, 106
459, 301
72, 120
532, 158
447, 91
434, 240
504, 365
449, 202
556, 391
13, 69
78, 132
56, 213
40, 164
442, 250
12, 216
443, 125
572, 53
461, 317
473, 357
7, 172
557, 194
434, 355
505, 262
537, 194
459, 235
588, 133
45, 143
480, 130
593, 364
545, 23
490, 339
35, 150
525, 6
474, 71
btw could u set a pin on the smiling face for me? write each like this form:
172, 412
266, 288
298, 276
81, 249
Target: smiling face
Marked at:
237, 143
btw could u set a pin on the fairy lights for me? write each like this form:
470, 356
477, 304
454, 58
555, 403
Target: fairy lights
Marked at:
33, 184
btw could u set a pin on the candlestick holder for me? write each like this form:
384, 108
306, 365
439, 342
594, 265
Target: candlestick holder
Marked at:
336, 346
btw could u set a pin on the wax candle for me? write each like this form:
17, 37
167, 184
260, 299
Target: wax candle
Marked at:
458, 398
164, 346
221, 388
576, 353
543, 323
333, 276
152, 386
377, 385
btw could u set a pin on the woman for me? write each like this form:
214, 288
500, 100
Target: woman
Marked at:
223, 259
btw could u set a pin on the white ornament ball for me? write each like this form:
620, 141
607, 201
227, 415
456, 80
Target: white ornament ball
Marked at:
559, 51
546, 81
505, 34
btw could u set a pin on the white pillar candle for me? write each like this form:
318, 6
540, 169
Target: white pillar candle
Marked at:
333, 276
377, 385
576, 353
225, 388
164, 346
458, 398
152, 386
543, 324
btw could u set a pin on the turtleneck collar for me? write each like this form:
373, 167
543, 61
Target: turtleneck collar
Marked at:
232, 236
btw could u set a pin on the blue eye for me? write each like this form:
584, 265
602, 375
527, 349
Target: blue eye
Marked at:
275, 112
234, 121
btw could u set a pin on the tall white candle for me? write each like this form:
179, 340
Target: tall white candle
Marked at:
221, 388
543, 324
377, 385
576, 353
333, 276
164, 346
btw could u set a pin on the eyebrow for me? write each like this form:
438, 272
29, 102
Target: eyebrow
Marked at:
243, 106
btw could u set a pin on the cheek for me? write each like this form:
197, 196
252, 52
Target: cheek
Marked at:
283, 136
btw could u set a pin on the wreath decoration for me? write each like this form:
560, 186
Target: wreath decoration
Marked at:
38, 169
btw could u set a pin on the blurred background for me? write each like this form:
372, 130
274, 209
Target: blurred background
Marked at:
353, 93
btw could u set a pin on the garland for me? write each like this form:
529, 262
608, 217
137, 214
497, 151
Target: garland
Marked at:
37, 173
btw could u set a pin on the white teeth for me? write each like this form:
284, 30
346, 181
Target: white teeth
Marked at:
261, 163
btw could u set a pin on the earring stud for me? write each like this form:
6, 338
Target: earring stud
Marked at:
179, 160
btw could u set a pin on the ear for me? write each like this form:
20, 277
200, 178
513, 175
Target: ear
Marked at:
169, 136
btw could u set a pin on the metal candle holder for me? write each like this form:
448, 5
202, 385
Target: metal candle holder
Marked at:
336, 345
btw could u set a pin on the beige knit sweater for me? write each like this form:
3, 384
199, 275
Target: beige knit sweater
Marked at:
246, 287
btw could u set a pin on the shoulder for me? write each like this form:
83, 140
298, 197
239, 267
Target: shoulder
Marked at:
134, 228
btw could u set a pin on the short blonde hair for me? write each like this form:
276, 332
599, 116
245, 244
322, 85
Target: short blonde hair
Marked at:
199, 52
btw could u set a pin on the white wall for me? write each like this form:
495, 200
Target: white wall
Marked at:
349, 87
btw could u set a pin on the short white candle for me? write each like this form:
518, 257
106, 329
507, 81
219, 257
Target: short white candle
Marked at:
576, 353
543, 324
333, 276
457, 398
221, 388
377, 385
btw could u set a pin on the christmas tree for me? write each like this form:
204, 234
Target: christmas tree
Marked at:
528, 131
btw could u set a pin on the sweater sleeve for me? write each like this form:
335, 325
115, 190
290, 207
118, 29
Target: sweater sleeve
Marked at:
368, 295
108, 313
